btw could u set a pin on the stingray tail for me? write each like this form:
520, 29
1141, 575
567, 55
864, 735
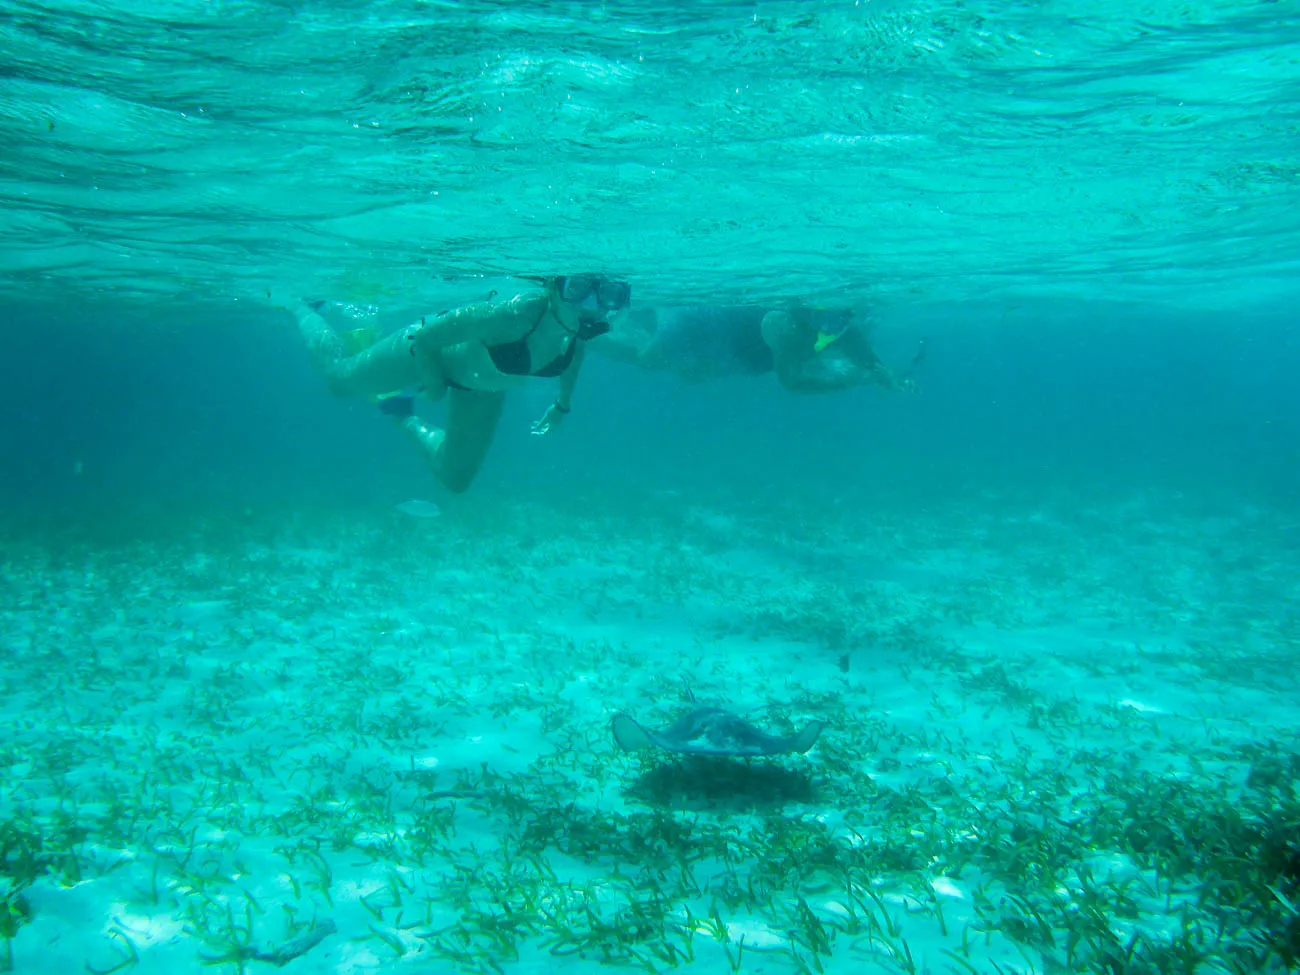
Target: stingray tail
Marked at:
803, 741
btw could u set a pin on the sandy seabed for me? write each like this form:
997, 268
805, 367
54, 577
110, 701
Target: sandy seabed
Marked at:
1059, 738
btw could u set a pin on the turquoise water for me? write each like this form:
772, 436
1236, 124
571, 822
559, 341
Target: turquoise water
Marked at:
714, 150
273, 700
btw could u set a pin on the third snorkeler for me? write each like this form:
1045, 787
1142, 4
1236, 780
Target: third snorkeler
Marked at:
811, 350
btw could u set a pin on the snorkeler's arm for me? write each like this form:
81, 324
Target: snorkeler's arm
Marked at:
795, 380
557, 411
484, 321
569, 379
830, 374
630, 336
857, 348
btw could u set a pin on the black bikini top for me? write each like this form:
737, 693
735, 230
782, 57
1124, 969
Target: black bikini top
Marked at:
514, 358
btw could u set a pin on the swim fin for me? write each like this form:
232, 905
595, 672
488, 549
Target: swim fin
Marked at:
357, 340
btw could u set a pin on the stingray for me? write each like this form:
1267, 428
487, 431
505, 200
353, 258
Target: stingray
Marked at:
712, 731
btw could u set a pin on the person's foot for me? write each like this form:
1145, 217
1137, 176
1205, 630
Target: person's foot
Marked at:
429, 438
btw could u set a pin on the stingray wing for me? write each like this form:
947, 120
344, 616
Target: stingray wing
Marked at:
691, 734
750, 741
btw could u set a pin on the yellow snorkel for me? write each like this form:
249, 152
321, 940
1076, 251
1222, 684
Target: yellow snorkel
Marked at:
826, 338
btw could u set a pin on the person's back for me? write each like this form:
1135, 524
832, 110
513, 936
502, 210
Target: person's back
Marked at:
697, 342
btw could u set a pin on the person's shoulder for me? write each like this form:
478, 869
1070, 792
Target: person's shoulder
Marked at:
533, 302
503, 317
775, 322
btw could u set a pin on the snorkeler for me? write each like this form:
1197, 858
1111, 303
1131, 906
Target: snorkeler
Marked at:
472, 355
810, 350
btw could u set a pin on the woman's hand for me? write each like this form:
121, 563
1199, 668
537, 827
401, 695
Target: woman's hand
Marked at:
552, 418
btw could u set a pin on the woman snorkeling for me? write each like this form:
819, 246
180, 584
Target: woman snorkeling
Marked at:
473, 356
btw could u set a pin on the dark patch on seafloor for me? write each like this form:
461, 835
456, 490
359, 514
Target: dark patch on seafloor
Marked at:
705, 782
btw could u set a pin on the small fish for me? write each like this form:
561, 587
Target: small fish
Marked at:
290, 950
419, 509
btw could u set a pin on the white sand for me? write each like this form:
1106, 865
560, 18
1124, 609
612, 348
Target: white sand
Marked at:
223, 737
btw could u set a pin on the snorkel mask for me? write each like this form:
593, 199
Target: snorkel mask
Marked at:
594, 292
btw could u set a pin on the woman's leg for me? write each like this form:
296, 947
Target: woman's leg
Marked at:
386, 367
458, 452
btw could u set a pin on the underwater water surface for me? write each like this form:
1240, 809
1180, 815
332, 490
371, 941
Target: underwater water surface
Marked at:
272, 700
718, 150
